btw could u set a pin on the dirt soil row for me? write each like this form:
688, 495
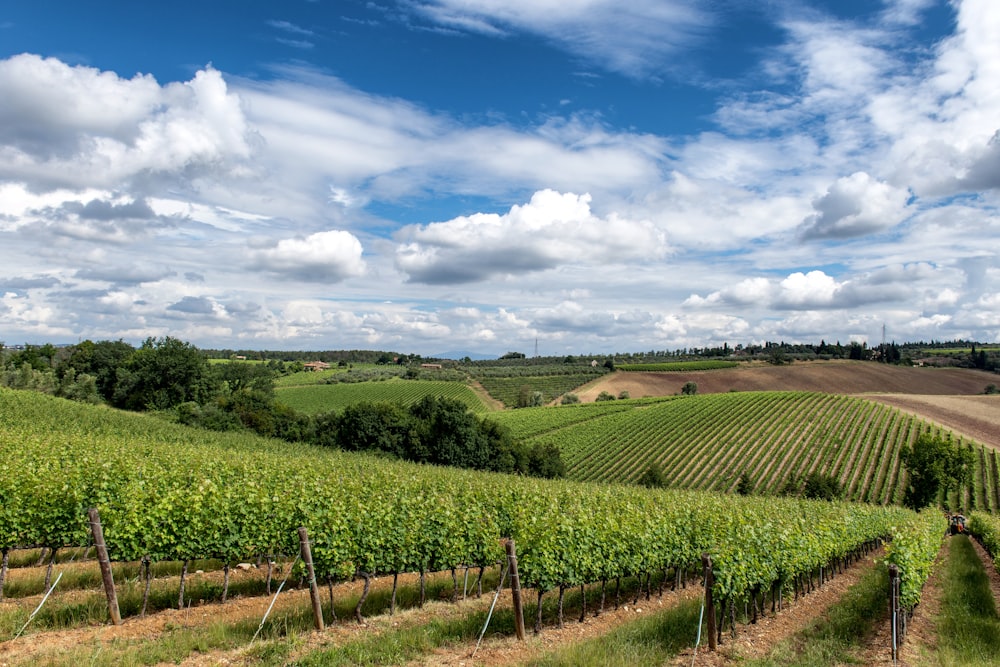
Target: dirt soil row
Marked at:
977, 417
833, 377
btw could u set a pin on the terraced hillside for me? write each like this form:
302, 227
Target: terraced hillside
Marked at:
706, 442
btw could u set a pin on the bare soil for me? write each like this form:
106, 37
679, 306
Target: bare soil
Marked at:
977, 417
757, 641
834, 377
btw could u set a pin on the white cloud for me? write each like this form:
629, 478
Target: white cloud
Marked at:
79, 127
330, 256
633, 38
856, 205
551, 230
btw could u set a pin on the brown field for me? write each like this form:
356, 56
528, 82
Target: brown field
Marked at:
833, 377
952, 397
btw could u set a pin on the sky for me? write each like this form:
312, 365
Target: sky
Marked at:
486, 176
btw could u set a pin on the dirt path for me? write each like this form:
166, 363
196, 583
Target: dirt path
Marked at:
32, 647
491, 403
920, 645
757, 641
509, 651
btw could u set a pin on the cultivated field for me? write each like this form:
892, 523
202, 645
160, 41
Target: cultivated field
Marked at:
833, 377
180, 493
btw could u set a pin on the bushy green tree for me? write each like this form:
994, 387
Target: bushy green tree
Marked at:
653, 477
689, 388
745, 485
545, 460
934, 464
819, 486
162, 374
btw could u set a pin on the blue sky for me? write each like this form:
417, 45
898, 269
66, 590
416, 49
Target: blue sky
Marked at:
436, 175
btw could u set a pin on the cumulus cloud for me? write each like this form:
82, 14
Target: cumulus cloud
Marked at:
79, 126
856, 205
816, 290
330, 256
551, 230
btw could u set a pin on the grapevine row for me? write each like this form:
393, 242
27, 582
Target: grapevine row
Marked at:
171, 493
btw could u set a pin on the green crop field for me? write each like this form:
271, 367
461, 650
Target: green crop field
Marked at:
316, 398
168, 493
707, 442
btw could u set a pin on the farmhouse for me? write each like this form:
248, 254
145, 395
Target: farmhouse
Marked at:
316, 366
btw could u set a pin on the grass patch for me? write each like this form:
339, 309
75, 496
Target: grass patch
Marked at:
834, 638
968, 625
276, 641
650, 640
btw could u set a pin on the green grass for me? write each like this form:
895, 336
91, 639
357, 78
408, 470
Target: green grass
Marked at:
834, 638
318, 398
650, 640
968, 625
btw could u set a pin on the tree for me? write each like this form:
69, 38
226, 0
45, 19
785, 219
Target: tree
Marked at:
653, 477
545, 460
689, 388
162, 374
100, 360
745, 485
605, 396
529, 398
237, 376
934, 464
822, 487
569, 399
367, 426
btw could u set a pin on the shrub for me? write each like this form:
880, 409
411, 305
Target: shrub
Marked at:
653, 477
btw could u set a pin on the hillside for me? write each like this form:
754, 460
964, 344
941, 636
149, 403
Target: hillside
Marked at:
832, 377
707, 441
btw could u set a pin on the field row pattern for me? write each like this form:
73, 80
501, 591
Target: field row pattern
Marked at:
707, 442
172, 493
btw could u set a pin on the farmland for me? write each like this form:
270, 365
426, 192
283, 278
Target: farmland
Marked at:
312, 399
707, 442
177, 494
204, 500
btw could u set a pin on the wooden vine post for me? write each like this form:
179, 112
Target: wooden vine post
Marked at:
515, 589
105, 563
894, 609
706, 561
311, 573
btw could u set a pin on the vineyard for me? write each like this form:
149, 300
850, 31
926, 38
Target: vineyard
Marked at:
171, 494
509, 384
316, 398
707, 442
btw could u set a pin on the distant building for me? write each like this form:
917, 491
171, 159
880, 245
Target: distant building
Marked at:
434, 366
316, 366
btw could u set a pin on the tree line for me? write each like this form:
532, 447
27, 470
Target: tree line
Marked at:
174, 377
